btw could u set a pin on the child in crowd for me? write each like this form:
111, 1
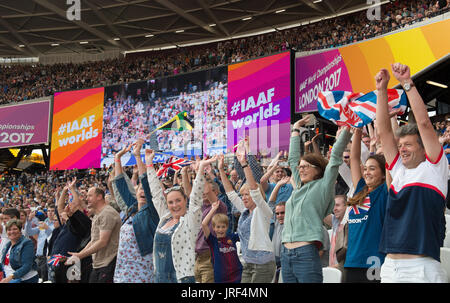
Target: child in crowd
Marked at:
227, 267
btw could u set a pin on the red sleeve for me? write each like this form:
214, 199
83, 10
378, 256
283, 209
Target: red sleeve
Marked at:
389, 167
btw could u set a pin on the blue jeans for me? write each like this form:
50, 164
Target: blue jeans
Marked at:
164, 269
301, 264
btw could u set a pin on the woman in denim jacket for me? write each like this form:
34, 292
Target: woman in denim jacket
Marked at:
174, 243
18, 263
135, 253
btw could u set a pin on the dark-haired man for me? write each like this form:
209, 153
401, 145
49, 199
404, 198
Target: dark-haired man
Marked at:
104, 238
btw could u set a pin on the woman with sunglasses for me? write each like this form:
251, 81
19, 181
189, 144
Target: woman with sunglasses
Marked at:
18, 263
311, 201
174, 242
366, 212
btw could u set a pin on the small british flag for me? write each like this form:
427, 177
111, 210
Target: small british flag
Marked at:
55, 259
361, 209
173, 163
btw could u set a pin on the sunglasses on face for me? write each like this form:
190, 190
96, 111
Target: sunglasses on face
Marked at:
173, 188
279, 213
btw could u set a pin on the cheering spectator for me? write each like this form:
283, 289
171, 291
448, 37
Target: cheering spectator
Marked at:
227, 267
310, 203
253, 225
366, 215
44, 230
104, 238
18, 256
134, 256
174, 242
412, 242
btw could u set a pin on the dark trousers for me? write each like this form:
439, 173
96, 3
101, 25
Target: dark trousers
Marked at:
103, 274
41, 262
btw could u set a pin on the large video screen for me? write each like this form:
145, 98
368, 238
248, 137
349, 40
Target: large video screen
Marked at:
137, 109
259, 100
25, 124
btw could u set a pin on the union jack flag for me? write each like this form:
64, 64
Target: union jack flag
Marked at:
364, 208
356, 109
54, 260
172, 164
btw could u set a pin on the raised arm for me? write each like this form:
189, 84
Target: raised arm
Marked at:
137, 155
60, 204
205, 222
240, 154
382, 122
223, 176
429, 138
117, 160
355, 156
294, 149
159, 201
274, 194
270, 170
185, 179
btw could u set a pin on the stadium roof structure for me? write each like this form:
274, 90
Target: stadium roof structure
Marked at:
32, 28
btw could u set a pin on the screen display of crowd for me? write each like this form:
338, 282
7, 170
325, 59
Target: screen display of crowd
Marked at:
138, 109
91, 125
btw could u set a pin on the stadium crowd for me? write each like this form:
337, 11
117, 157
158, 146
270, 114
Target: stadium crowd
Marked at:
239, 222
127, 117
26, 82
127, 225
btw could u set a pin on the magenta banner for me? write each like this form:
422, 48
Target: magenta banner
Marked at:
315, 73
259, 98
24, 124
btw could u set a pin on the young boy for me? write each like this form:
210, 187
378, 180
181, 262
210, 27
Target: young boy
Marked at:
227, 267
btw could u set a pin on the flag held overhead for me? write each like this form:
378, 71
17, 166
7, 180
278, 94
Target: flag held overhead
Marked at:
179, 123
356, 109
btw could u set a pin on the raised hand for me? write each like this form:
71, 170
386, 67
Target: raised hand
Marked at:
149, 155
137, 147
276, 160
206, 162
401, 72
382, 79
303, 121
315, 137
220, 162
71, 184
284, 180
215, 205
124, 151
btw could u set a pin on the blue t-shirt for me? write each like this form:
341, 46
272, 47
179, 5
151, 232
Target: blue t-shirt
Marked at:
284, 192
224, 257
447, 155
365, 223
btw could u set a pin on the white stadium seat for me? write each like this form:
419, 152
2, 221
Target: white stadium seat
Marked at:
331, 275
445, 260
